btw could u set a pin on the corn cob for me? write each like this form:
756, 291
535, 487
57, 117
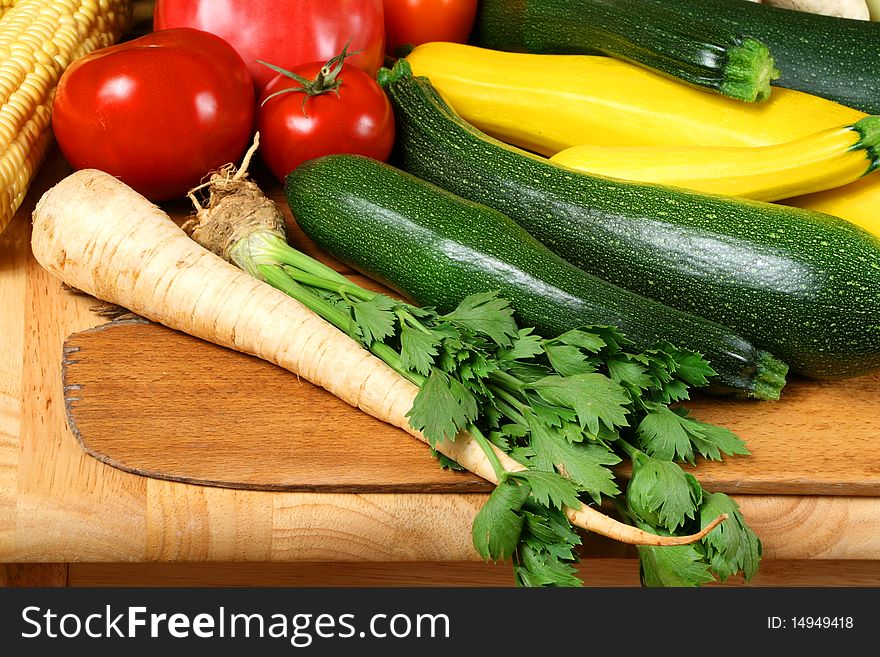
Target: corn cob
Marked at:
6, 5
38, 40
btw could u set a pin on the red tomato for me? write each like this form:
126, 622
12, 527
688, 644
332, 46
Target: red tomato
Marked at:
286, 33
158, 112
345, 112
420, 21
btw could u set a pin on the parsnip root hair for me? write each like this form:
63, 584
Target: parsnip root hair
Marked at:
97, 234
236, 206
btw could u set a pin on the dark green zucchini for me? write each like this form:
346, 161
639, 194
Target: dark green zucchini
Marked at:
695, 50
835, 58
827, 56
436, 248
802, 285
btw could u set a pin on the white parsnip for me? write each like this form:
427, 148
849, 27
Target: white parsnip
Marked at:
98, 235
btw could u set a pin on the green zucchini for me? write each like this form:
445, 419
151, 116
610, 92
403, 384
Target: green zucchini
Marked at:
436, 248
802, 285
698, 52
827, 56
835, 58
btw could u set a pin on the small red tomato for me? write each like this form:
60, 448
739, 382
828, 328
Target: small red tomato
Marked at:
321, 109
158, 112
413, 22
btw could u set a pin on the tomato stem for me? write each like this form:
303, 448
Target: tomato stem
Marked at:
326, 80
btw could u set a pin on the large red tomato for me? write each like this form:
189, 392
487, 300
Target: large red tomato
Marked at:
322, 109
158, 112
413, 22
284, 32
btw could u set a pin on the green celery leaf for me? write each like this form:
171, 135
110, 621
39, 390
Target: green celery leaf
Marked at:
567, 360
660, 366
527, 372
446, 332
627, 371
514, 430
510, 430
573, 433
442, 408
491, 417
541, 568
692, 368
420, 312
417, 350
672, 391
661, 493
522, 455
732, 546
716, 441
594, 397
375, 318
525, 346
675, 565
591, 342
485, 313
540, 530
450, 354
466, 400
499, 440
541, 533
497, 528
446, 463
477, 366
612, 337
524, 578
559, 523
666, 435
549, 488
551, 416
561, 552
585, 464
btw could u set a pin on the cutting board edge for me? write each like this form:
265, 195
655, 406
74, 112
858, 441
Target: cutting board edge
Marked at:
67, 350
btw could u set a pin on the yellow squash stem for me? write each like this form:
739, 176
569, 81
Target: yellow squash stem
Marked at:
100, 236
547, 103
823, 160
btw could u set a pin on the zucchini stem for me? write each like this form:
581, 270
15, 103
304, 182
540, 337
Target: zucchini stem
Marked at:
748, 72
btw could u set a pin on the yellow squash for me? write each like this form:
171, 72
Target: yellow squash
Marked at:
823, 160
547, 103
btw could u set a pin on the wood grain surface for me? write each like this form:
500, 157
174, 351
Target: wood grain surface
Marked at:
597, 572
59, 505
600, 571
200, 413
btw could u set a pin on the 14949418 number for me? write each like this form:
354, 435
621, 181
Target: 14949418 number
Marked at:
810, 622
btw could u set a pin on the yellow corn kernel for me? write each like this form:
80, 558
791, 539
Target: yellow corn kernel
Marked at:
38, 40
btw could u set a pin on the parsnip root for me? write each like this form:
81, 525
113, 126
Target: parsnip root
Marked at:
97, 234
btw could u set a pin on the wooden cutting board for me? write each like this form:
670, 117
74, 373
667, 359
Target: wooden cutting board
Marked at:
156, 402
